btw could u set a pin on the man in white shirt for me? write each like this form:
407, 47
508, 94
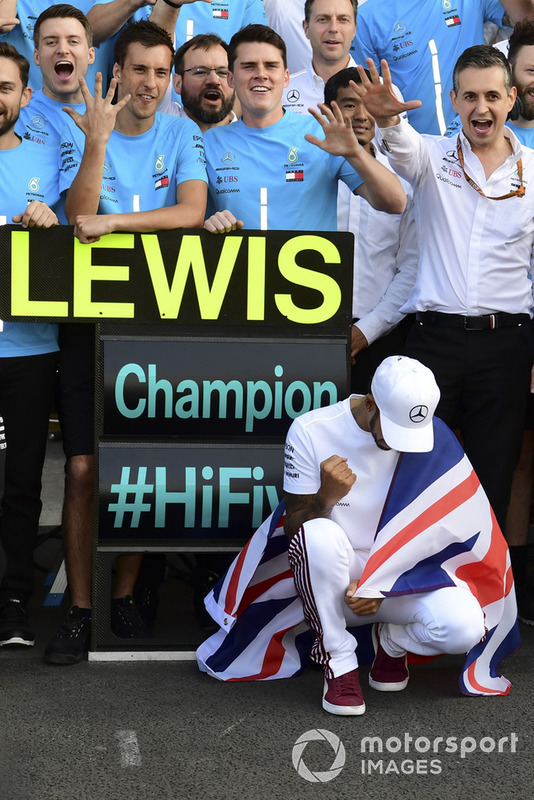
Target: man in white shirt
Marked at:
473, 291
330, 26
385, 250
339, 466
285, 17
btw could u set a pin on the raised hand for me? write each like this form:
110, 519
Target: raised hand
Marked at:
378, 95
339, 139
337, 479
98, 122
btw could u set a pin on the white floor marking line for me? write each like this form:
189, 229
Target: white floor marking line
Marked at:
129, 747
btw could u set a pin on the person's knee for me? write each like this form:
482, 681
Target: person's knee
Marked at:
461, 631
318, 541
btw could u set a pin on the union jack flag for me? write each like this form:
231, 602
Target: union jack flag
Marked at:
437, 529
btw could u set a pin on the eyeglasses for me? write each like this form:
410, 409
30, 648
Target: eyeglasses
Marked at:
203, 72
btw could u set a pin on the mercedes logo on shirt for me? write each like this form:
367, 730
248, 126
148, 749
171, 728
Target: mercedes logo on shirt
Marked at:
419, 413
293, 96
38, 121
227, 158
399, 28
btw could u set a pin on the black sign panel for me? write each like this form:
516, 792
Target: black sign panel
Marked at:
187, 491
252, 279
207, 389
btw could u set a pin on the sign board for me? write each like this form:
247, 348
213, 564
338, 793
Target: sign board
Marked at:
252, 279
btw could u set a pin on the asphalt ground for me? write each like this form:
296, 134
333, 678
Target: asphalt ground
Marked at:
165, 731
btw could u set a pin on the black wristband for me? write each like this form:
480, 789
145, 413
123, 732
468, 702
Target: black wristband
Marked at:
172, 5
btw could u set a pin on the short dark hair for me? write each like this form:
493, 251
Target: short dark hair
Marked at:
145, 33
522, 36
202, 41
62, 11
256, 33
8, 51
309, 3
482, 56
339, 80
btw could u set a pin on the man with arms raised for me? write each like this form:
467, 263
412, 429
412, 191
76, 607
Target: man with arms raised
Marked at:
473, 291
385, 250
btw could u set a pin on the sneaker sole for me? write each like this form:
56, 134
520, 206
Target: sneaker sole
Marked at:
388, 687
525, 620
343, 711
17, 641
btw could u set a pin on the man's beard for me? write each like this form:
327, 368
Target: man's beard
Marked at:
194, 108
526, 107
8, 122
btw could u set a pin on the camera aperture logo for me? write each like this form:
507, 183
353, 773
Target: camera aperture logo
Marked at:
321, 735
394, 755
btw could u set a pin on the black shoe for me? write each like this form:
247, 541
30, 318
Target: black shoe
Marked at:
71, 642
146, 598
525, 603
14, 628
126, 621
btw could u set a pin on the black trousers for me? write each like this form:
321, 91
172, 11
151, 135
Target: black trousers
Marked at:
484, 378
26, 389
368, 359
3, 445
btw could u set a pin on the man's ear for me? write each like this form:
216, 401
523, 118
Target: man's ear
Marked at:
370, 403
177, 83
26, 96
117, 72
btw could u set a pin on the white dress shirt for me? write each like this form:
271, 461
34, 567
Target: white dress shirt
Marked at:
306, 89
386, 253
475, 253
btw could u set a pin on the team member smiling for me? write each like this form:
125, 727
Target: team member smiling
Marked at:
267, 144
473, 291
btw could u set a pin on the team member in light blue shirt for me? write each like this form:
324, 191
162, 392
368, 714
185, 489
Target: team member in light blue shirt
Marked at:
22, 35
272, 169
28, 356
421, 40
123, 167
63, 50
167, 187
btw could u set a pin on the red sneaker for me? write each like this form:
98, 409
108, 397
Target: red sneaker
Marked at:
343, 695
387, 674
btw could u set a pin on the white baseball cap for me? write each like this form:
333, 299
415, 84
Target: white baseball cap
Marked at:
406, 394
